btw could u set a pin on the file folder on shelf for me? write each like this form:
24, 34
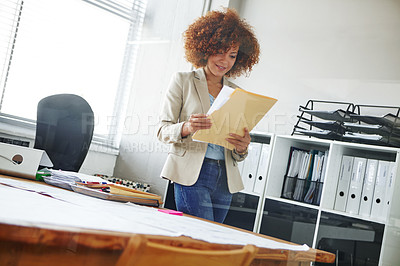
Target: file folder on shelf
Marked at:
342, 190
292, 172
356, 183
368, 187
320, 183
262, 169
304, 175
303, 180
389, 188
314, 184
377, 210
250, 166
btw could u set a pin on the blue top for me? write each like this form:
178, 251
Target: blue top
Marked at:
214, 151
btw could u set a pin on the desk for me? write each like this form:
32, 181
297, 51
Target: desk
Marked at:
26, 238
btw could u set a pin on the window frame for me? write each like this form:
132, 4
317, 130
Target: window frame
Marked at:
25, 128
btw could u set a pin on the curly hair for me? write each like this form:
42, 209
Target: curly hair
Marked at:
217, 32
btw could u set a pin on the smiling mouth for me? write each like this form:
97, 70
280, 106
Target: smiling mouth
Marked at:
221, 67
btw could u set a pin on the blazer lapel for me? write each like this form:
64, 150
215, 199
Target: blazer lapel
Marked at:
200, 84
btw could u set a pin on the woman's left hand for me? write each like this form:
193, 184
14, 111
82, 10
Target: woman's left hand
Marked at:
240, 142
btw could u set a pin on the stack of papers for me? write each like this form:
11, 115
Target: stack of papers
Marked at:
323, 134
389, 120
334, 126
371, 129
372, 139
98, 187
117, 192
335, 115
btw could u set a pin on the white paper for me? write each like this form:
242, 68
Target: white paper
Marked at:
24, 203
221, 99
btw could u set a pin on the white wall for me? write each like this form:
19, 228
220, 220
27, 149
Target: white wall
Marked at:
98, 161
338, 50
161, 54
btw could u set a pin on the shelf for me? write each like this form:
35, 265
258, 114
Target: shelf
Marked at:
354, 241
296, 228
355, 216
297, 203
266, 212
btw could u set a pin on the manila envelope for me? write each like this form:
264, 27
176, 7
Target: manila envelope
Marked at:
242, 110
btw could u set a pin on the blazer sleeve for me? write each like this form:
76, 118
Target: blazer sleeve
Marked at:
170, 126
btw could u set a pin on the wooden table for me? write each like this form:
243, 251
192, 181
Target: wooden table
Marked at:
42, 244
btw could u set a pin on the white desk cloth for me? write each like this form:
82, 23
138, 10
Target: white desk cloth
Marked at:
25, 203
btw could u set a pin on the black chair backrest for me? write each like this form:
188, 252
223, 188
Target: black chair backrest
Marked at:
64, 129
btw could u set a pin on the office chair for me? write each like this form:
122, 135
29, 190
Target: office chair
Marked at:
143, 252
64, 129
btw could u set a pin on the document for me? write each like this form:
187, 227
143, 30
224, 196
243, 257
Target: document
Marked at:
343, 183
335, 115
322, 179
371, 129
368, 188
356, 183
231, 114
326, 125
293, 169
377, 210
304, 173
323, 134
389, 119
315, 177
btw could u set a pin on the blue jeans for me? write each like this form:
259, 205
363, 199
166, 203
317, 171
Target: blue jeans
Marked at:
209, 197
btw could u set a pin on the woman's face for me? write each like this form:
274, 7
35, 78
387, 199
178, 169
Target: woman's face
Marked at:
219, 64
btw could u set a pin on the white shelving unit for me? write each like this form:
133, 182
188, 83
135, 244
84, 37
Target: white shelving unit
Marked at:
280, 149
309, 222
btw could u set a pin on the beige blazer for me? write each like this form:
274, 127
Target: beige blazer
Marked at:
188, 94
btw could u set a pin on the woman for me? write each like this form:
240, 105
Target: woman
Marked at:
219, 45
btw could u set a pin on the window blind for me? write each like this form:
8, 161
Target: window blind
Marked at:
127, 9
10, 12
13, 11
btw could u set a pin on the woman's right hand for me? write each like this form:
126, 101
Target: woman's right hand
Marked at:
195, 122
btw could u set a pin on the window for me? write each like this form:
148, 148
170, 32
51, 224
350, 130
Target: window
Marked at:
84, 47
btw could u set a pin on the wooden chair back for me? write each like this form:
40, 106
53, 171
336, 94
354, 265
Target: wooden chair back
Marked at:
142, 252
